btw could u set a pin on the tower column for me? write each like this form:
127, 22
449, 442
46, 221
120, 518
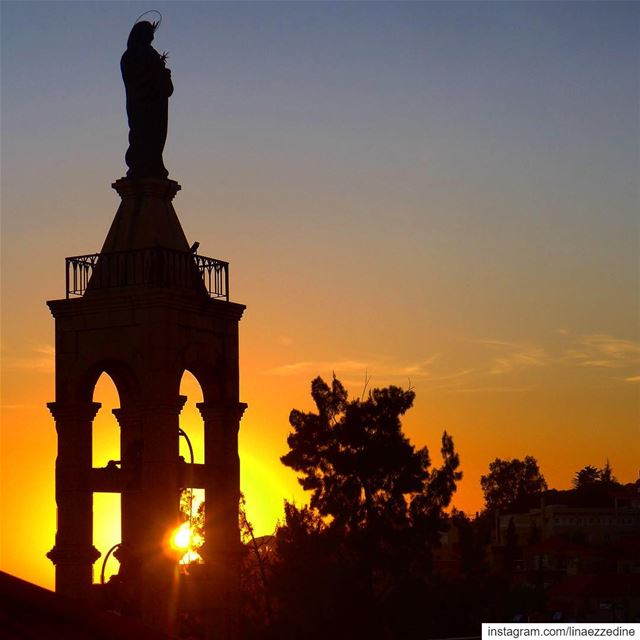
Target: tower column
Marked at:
131, 447
74, 554
158, 514
221, 549
132, 535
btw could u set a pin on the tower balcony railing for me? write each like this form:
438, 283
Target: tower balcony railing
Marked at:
153, 267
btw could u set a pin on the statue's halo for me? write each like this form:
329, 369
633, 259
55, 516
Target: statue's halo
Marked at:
155, 24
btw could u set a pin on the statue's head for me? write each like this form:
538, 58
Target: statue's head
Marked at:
141, 35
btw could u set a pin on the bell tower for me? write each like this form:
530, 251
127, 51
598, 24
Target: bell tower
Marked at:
144, 309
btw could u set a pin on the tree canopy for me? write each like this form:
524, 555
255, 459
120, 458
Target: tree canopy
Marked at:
356, 561
510, 482
589, 476
360, 467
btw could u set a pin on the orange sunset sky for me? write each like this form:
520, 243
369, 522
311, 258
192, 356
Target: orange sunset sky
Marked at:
436, 194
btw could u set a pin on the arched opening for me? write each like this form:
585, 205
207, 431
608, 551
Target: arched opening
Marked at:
106, 447
190, 419
106, 432
191, 445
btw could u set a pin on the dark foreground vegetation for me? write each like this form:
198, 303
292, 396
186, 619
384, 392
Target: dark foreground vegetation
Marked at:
378, 553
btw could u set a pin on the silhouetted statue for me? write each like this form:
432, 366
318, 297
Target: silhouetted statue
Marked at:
148, 86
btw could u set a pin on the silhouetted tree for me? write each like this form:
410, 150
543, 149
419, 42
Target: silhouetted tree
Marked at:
255, 583
472, 542
606, 474
351, 563
510, 482
362, 470
313, 577
588, 475
353, 457
256, 555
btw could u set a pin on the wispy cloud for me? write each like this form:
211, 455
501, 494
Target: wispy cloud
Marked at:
514, 356
377, 366
420, 369
603, 350
381, 368
496, 366
592, 350
315, 366
40, 360
520, 359
16, 407
495, 389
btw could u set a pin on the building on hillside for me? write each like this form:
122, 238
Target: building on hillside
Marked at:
605, 517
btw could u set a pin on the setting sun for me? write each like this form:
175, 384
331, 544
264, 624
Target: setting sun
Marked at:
181, 538
185, 540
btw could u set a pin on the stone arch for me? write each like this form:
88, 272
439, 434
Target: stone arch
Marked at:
190, 418
106, 446
201, 371
123, 378
105, 431
211, 377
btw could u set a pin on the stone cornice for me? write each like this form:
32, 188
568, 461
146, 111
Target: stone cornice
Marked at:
147, 298
73, 554
214, 411
153, 187
85, 412
136, 412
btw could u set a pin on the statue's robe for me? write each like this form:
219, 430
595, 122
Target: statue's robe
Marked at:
148, 86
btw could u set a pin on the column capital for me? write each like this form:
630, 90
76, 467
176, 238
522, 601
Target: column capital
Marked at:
137, 411
217, 411
172, 407
83, 411
126, 415
73, 554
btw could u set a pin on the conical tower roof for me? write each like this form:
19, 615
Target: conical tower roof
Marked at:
146, 217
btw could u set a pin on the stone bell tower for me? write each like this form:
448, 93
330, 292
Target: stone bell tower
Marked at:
144, 310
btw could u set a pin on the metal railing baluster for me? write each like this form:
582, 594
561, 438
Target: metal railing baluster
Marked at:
153, 267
